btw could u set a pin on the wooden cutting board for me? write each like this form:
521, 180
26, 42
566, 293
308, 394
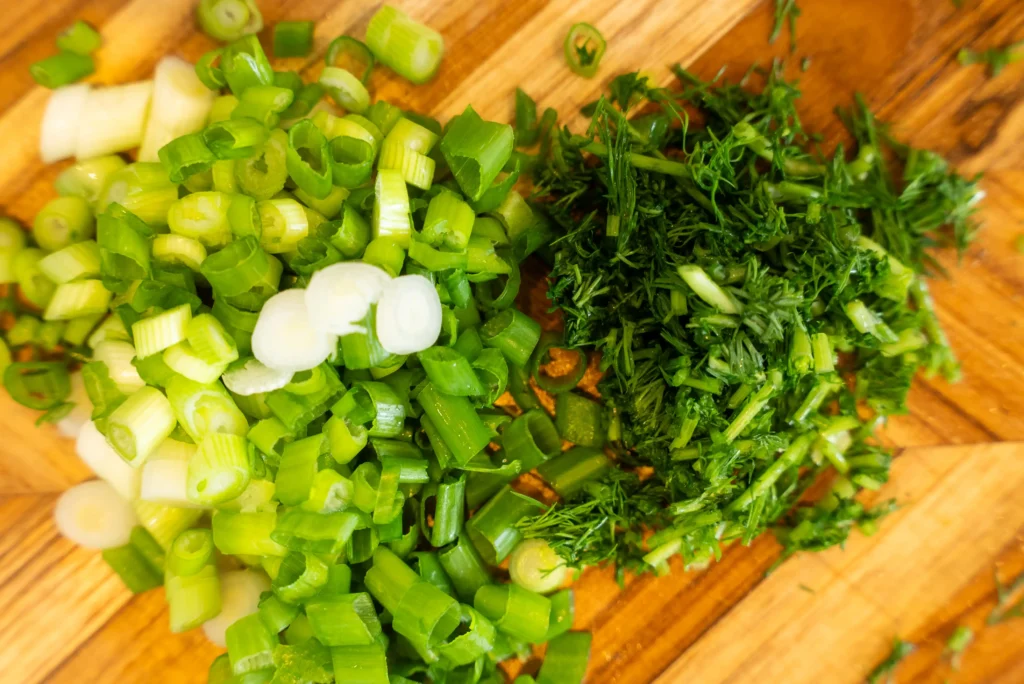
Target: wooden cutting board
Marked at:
818, 618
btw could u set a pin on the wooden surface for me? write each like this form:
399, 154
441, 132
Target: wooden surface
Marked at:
819, 618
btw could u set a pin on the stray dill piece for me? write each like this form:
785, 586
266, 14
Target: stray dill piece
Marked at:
1005, 608
995, 59
887, 668
958, 642
786, 13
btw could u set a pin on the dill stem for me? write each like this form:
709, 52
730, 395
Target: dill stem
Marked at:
669, 168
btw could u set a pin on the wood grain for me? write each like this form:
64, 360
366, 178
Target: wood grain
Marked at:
64, 617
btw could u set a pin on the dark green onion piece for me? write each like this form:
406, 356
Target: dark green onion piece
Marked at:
360, 664
61, 69
456, 421
80, 37
580, 420
542, 357
351, 55
474, 640
584, 47
563, 612
442, 509
568, 472
513, 333
306, 98
429, 568
237, 268
234, 138
37, 384
373, 403
510, 284
308, 159
308, 532
246, 65
518, 612
344, 620
492, 369
451, 372
531, 439
493, 528
293, 38
229, 19
565, 661
464, 567
209, 70
186, 156
476, 150
526, 130
426, 616
351, 161
250, 645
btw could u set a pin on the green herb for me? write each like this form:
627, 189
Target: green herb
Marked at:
693, 262
1019, 243
786, 12
996, 59
885, 670
958, 642
1005, 608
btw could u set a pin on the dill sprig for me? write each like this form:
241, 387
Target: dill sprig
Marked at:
729, 415
995, 59
886, 669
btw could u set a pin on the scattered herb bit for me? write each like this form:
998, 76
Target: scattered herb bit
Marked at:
900, 650
996, 59
806, 588
786, 12
958, 642
1019, 243
1005, 608
805, 64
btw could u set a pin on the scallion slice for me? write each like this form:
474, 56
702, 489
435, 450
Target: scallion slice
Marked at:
411, 49
293, 38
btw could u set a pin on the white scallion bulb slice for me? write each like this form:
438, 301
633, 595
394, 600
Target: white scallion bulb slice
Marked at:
408, 315
165, 475
113, 119
285, 339
255, 378
534, 565
118, 357
59, 136
71, 425
95, 516
239, 596
108, 465
181, 104
339, 296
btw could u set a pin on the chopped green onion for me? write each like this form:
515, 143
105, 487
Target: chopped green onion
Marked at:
250, 645
476, 150
456, 422
580, 420
345, 89
474, 639
568, 472
202, 216
219, 470
246, 534
192, 599
186, 156
442, 508
352, 55
80, 298
391, 208
190, 552
449, 221
584, 47
451, 372
298, 469
228, 20
373, 403
565, 661
284, 224
531, 439
308, 159
36, 384
209, 72
493, 528
159, 332
351, 161
132, 566
237, 268
411, 49
518, 612
513, 333
384, 116
300, 577
417, 169
63, 221
563, 611
235, 138
61, 69
527, 132
360, 664
86, 178
263, 103
307, 532
464, 566
344, 620
541, 357
293, 38
80, 37
137, 427
202, 409
179, 250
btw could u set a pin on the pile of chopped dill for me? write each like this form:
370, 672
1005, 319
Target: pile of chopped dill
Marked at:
759, 307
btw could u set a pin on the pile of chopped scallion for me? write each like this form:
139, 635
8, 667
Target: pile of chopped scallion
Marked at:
280, 336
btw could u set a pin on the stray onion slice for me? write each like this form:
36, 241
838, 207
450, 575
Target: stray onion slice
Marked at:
408, 315
95, 516
61, 120
339, 296
285, 339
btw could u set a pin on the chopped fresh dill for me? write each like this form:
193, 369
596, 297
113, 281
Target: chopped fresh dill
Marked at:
996, 59
786, 13
1005, 608
958, 642
718, 269
886, 669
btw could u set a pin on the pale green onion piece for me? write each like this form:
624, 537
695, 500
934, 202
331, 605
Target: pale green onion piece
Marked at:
708, 290
202, 216
159, 332
219, 471
202, 409
58, 137
165, 523
179, 250
80, 298
255, 378
113, 119
63, 221
535, 566
138, 426
345, 89
181, 104
476, 151
228, 20
411, 49
285, 224
117, 355
417, 169
210, 341
391, 208
32, 282
92, 447
410, 134
183, 360
449, 221
74, 262
240, 595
